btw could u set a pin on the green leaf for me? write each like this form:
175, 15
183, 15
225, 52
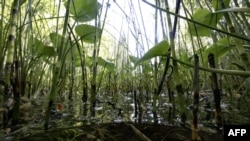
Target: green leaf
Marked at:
133, 59
34, 43
40, 49
78, 61
88, 33
83, 10
219, 49
48, 51
57, 39
160, 49
63, 47
100, 61
205, 17
217, 4
88, 61
60, 42
106, 64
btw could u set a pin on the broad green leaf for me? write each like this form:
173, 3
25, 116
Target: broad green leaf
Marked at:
88, 32
78, 61
133, 59
40, 49
219, 49
63, 47
88, 61
60, 42
217, 4
83, 10
234, 9
34, 43
208, 18
185, 57
205, 17
100, 61
160, 49
47, 51
58, 39
105, 64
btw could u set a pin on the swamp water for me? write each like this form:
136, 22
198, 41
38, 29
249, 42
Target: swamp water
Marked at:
119, 113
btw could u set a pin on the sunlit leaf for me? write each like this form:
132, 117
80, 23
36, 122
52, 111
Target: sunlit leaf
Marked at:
185, 57
64, 47
34, 43
58, 39
88, 33
47, 51
133, 59
100, 61
78, 62
160, 49
205, 17
88, 61
106, 64
40, 49
219, 49
83, 10
217, 4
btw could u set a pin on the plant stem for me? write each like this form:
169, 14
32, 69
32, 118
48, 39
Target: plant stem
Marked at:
9, 70
216, 92
195, 135
220, 71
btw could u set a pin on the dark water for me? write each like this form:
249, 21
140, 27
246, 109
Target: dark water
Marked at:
121, 108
